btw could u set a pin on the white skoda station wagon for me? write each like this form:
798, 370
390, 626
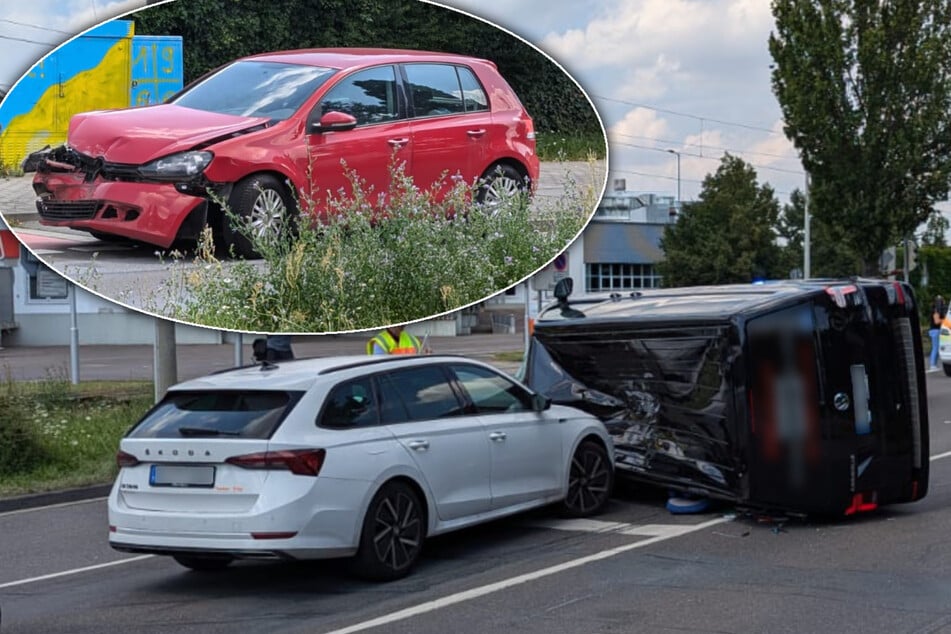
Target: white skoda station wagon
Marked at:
347, 456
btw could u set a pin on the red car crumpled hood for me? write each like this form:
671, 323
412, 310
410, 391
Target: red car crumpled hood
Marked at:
140, 135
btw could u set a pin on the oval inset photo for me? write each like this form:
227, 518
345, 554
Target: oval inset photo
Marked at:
275, 167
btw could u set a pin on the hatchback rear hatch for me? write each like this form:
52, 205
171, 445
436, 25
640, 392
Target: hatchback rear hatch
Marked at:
206, 451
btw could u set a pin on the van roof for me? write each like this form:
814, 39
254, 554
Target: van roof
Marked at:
693, 303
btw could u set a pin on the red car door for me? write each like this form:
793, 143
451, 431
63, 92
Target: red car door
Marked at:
451, 125
368, 152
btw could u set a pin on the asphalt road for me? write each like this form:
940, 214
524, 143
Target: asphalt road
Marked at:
143, 278
634, 569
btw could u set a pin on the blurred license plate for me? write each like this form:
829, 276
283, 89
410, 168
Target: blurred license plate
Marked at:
181, 476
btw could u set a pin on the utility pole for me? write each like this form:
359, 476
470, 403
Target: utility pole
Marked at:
164, 358
677, 154
806, 246
73, 337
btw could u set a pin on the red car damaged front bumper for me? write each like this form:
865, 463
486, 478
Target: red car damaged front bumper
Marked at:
143, 211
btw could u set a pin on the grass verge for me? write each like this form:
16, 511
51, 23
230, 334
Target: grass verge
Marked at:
579, 146
55, 435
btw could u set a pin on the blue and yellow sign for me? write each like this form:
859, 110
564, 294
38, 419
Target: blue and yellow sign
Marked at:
107, 67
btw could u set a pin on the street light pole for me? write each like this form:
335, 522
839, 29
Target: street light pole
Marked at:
677, 154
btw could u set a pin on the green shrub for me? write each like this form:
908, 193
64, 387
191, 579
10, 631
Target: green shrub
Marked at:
55, 435
21, 448
362, 267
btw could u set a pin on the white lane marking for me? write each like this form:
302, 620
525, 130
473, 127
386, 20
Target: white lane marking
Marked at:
74, 571
659, 530
940, 456
475, 593
580, 525
52, 506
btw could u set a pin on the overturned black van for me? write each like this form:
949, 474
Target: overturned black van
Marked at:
801, 396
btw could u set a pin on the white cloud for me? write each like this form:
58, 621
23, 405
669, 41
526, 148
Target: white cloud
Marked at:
640, 123
649, 82
30, 30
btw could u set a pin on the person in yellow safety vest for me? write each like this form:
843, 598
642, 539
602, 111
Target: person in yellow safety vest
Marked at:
394, 340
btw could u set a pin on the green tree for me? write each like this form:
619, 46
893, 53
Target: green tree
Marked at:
935, 230
829, 254
215, 32
726, 236
865, 91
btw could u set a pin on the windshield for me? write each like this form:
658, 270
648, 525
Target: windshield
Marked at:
256, 89
244, 414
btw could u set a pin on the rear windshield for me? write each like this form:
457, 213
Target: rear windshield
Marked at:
256, 89
205, 414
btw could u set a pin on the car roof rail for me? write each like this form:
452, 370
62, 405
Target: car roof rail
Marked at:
392, 358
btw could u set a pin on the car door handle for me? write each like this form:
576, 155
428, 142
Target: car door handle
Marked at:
418, 445
398, 143
497, 436
475, 134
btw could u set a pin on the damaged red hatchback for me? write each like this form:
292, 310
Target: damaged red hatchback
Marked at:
264, 130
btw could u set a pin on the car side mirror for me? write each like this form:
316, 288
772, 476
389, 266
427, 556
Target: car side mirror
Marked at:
563, 289
540, 403
333, 121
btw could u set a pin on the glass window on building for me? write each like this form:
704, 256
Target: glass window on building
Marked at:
614, 276
45, 284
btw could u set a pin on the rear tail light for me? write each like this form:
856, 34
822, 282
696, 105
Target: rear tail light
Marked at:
279, 535
125, 459
899, 291
298, 461
862, 503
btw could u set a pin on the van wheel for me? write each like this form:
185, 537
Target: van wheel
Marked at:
203, 564
947, 369
590, 479
500, 183
263, 205
392, 535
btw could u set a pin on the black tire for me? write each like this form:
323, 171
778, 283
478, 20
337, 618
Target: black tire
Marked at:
392, 535
500, 183
590, 480
947, 369
263, 203
203, 564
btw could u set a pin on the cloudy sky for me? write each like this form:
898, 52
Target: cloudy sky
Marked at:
30, 28
684, 75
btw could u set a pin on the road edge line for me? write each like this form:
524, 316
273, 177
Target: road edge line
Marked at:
74, 571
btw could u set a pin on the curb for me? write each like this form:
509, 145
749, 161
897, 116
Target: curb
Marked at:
35, 500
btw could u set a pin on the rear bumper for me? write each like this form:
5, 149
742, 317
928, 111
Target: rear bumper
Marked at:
277, 553
316, 523
147, 212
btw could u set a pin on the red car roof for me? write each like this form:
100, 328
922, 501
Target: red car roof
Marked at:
353, 57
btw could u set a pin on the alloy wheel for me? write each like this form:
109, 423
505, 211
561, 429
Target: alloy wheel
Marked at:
397, 531
267, 214
589, 480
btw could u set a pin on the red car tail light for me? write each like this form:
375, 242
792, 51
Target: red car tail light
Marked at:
862, 503
281, 535
298, 461
125, 459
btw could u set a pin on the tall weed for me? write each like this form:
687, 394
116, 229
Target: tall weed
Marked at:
361, 266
